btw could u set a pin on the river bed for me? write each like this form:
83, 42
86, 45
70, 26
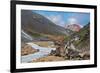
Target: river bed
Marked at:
43, 52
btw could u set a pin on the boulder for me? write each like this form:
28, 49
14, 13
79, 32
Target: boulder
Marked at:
27, 49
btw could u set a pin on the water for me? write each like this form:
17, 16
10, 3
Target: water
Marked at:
43, 52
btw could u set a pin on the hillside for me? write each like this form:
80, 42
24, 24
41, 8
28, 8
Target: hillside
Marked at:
36, 23
77, 45
84, 42
69, 44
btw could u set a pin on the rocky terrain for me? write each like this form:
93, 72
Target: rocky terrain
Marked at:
76, 46
70, 44
27, 49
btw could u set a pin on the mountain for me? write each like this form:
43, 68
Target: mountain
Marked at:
83, 43
78, 44
73, 27
81, 39
32, 22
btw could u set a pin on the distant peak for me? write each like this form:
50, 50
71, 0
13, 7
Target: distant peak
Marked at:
73, 27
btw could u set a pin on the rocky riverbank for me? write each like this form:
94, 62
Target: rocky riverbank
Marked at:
27, 49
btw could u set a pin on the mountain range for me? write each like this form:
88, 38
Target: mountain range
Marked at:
35, 26
32, 22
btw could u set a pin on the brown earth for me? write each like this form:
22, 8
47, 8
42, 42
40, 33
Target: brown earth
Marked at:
27, 49
49, 59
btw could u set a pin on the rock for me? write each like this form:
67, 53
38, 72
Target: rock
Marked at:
72, 53
60, 51
27, 49
53, 52
85, 55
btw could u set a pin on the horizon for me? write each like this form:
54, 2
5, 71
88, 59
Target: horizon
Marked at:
65, 18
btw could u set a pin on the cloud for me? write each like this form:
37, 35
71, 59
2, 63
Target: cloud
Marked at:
57, 19
81, 26
73, 20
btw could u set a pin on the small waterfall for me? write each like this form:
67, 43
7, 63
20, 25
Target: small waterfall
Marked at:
26, 35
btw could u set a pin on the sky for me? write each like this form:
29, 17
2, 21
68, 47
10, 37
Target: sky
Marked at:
66, 18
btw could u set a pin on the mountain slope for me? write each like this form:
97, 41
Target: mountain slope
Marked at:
84, 42
32, 22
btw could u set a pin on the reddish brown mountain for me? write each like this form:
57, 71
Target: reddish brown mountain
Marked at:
73, 27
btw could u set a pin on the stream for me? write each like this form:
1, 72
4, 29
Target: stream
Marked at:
43, 52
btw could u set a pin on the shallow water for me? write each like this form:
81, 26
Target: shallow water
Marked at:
43, 51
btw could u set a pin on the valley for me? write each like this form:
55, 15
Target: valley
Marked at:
43, 41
